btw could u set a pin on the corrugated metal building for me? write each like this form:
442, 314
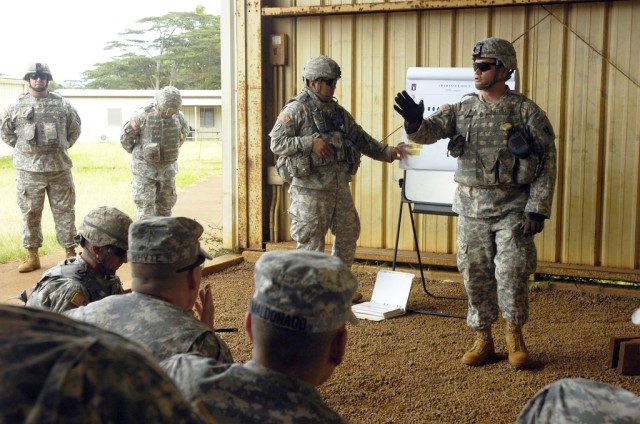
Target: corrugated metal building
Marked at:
577, 60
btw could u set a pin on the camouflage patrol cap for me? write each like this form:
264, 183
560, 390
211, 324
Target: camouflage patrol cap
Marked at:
321, 67
37, 68
303, 290
168, 98
106, 226
496, 48
166, 240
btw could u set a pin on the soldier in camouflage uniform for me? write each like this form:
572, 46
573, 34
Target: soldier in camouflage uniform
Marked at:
296, 322
319, 145
90, 276
506, 177
166, 259
54, 370
41, 126
153, 136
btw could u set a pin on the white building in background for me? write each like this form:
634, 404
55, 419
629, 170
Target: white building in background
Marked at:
104, 112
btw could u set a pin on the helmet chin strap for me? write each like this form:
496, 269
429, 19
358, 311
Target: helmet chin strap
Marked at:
102, 269
39, 89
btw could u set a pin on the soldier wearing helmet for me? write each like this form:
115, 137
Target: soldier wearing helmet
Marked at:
506, 174
319, 145
153, 136
90, 275
41, 126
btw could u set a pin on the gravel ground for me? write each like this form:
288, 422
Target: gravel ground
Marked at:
408, 370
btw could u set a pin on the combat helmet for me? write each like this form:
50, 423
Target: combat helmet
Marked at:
38, 68
496, 48
168, 99
106, 226
320, 67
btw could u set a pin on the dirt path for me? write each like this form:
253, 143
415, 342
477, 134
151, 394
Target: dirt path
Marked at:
202, 201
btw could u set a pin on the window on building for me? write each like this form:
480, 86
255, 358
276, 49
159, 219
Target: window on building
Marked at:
206, 117
114, 117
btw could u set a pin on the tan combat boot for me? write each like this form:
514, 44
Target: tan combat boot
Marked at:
70, 252
518, 355
32, 262
482, 349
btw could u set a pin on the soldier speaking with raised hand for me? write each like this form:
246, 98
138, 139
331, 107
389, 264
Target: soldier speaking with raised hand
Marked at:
506, 177
153, 136
319, 145
41, 126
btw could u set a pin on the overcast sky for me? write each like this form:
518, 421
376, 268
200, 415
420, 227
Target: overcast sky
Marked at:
70, 35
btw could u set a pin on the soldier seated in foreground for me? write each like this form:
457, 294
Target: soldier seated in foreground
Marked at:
166, 259
89, 276
54, 370
296, 321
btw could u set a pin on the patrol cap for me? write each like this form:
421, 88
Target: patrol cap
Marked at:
106, 226
166, 240
303, 290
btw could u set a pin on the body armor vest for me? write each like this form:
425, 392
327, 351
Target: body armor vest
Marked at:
160, 138
41, 124
486, 159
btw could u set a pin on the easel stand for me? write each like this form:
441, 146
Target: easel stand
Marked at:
426, 208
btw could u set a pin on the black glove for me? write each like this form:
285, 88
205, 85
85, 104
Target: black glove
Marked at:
407, 107
532, 224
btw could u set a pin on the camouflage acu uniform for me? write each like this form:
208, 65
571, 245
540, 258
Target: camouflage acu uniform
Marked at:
296, 293
53, 369
320, 194
154, 143
581, 401
71, 284
162, 327
494, 190
248, 393
41, 130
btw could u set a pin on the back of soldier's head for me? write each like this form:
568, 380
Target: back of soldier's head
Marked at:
54, 369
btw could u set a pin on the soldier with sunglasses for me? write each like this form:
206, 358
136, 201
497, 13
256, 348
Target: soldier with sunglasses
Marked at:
506, 177
41, 126
319, 145
90, 275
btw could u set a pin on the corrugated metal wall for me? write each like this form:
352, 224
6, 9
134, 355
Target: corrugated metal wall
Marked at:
578, 61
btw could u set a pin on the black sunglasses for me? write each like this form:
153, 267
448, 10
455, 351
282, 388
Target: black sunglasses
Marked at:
121, 253
38, 76
196, 264
483, 66
329, 82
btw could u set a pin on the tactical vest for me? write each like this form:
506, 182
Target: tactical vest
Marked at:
41, 124
329, 125
160, 138
78, 271
486, 159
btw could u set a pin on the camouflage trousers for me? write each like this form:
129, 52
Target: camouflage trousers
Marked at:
154, 197
314, 212
495, 260
31, 188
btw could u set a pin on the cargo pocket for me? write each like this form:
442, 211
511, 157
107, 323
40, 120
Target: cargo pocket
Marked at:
304, 215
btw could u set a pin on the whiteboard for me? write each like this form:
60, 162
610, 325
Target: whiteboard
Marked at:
429, 170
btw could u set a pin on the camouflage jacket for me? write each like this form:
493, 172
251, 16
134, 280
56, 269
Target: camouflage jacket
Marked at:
155, 143
41, 131
71, 284
164, 328
54, 369
248, 393
304, 118
491, 181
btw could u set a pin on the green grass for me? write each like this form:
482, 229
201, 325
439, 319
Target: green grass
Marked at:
102, 177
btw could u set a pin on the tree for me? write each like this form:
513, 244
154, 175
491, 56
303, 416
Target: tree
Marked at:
180, 49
